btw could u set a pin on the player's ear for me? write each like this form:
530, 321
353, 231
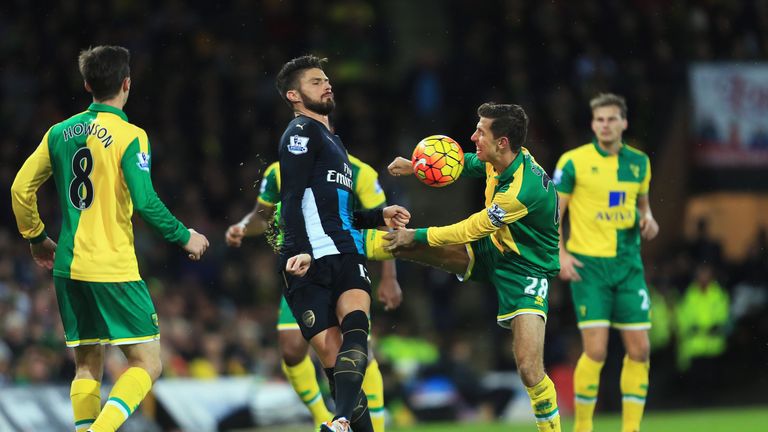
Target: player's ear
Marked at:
87, 87
127, 84
625, 125
293, 96
504, 142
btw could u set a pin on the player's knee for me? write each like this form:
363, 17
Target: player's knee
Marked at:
154, 368
639, 352
531, 370
152, 364
355, 324
89, 371
597, 354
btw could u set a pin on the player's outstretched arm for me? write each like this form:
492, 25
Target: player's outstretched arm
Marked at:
393, 216
396, 216
146, 202
400, 167
254, 223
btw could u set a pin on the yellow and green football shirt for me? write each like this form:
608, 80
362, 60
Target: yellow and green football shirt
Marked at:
521, 216
603, 190
101, 166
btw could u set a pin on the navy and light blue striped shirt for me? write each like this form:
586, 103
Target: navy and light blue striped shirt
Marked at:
316, 193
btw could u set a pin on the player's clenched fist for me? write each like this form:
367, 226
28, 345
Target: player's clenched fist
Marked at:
396, 216
298, 265
234, 235
400, 167
196, 245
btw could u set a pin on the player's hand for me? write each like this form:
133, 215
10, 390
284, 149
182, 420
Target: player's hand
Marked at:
649, 228
399, 239
390, 293
400, 167
235, 234
396, 216
196, 245
298, 265
568, 264
44, 252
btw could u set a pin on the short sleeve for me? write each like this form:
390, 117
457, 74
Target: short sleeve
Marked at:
269, 189
367, 188
565, 175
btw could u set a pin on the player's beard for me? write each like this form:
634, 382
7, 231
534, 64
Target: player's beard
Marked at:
318, 106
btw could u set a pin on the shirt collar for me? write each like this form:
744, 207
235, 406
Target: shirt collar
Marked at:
605, 153
509, 171
107, 108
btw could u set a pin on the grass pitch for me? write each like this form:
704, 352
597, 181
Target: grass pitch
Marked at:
706, 420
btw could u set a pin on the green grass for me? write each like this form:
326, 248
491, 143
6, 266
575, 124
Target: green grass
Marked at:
713, 420
709, 420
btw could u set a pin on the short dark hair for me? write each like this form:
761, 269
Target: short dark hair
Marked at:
509, 120
104, 68
288, 77
609, 99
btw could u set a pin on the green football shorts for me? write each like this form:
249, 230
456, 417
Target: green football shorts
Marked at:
518, 293
285, 319
612, 292
115, 313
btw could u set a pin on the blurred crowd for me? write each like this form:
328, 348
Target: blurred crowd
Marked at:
203, 89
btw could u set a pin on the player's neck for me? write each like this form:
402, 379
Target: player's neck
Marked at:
116, 102
313, 115
610, 147
504, 161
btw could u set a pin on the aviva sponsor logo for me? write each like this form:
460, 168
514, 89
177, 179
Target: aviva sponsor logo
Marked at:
616, 198
616, 211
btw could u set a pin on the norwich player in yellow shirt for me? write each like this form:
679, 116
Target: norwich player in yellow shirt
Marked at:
605, 185
101, 166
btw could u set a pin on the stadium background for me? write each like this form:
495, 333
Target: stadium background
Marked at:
203, 89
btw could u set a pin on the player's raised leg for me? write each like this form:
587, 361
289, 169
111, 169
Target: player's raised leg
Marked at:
528, 347
634, 378
454, 259
586, 377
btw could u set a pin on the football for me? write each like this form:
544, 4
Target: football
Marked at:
437, 160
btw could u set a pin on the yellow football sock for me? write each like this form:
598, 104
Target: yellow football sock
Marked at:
128, 392
303, 379
544, 402
374, 245
86, 402
586, 381
373, 386
634, 389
